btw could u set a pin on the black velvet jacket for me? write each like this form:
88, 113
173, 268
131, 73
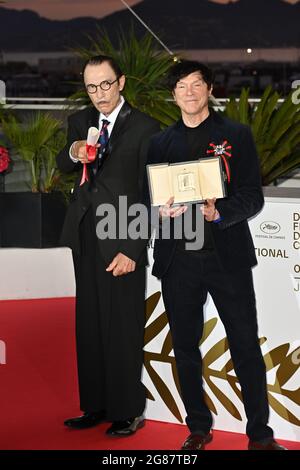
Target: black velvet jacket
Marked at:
232, 238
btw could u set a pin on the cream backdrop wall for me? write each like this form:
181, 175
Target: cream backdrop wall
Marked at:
276, 234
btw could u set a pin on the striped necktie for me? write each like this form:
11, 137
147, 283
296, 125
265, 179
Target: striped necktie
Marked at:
103, 141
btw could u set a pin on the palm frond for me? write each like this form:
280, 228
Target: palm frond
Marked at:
32, 140
275, 129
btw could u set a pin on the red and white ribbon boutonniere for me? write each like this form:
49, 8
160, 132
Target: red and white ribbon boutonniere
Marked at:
221, 150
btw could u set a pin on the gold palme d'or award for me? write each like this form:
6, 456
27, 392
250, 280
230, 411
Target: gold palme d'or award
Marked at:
188, 182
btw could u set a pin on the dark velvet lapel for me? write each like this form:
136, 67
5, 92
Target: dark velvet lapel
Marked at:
218, 129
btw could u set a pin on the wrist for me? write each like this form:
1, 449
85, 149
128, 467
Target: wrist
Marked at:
217, 218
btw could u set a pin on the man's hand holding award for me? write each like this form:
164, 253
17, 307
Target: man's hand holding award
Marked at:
87, 151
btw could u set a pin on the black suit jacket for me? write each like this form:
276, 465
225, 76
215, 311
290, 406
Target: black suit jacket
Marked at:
232, 238
121, 174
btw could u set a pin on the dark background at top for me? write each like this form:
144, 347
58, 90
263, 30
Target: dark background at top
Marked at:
182, 24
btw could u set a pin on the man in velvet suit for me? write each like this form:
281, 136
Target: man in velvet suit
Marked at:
222, 267
110, 273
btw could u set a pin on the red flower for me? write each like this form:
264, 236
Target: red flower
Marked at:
4, 159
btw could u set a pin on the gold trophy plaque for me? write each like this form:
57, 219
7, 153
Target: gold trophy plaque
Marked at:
188, 182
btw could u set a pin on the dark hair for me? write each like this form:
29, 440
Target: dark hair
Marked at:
184, 68
99, 59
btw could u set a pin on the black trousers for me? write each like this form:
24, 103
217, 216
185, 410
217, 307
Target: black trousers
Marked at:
185, 286
109, 332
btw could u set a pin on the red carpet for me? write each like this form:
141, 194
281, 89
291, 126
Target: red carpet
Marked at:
38, 388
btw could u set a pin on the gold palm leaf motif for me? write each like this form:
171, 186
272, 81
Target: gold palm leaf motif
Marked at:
287, 368
287, 364
151, 331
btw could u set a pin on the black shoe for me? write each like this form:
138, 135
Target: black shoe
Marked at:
126, 428
196, 441
87, 420
268, 444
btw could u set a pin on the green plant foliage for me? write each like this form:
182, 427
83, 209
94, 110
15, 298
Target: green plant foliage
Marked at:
275, 128
37, 141
145, 67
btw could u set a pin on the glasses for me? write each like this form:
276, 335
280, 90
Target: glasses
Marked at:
105, 86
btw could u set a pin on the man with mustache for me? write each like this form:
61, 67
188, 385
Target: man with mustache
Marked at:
110, 273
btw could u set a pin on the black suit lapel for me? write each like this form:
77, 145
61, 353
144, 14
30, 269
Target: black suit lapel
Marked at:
217, 131
119, 126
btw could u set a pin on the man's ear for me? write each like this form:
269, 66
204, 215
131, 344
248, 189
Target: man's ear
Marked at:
122, 80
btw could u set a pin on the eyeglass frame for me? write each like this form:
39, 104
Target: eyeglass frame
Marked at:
96, 86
